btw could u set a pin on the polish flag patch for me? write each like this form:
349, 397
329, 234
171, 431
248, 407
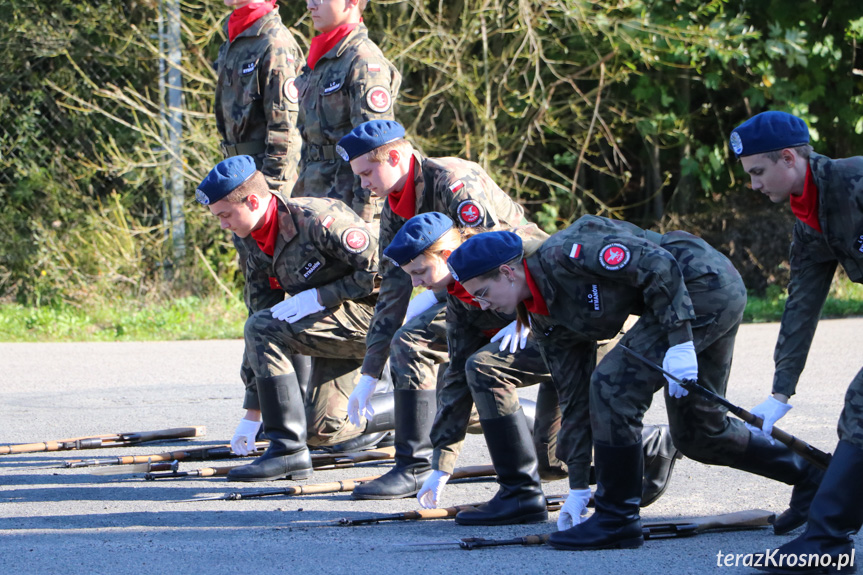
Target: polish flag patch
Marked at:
374, 67
575, 252
458, 185
328, 221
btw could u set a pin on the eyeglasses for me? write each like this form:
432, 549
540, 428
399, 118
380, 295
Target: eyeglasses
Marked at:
480, 297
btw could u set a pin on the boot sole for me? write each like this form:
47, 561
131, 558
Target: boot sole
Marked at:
532, 518
294, 475
633, 543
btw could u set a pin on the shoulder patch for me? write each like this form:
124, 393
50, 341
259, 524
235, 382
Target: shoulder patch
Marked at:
310, 267
575, 252
378, 99
614, 256
470, 213
328, 221
455, 187
290, 90
373, 67
248, 68
332, 87
355, 240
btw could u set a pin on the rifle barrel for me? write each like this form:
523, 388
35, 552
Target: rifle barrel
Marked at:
97, 441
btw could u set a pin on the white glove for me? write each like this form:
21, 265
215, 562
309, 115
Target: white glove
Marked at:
512, 336
359, 403
420, 303
574, 509
770, 411
429, 494
296, 308
680, 361
243, 441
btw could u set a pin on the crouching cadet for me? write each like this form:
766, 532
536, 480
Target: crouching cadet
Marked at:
579, 287
323, 256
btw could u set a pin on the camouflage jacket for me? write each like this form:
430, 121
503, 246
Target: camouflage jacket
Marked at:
814, 257
256, 100
321, 244
468, 329
351, 84
458, 188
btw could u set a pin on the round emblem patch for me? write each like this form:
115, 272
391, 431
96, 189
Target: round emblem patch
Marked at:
290, 91
355, 240
736, 143
343, 153
614, 256
202, 197
452, 272
378, 99
469, 214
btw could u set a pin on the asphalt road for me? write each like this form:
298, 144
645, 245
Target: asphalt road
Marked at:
72, 522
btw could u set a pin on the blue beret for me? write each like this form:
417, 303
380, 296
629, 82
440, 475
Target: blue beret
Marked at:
482, 253
224, 179
368, 136
768, 131
416, 236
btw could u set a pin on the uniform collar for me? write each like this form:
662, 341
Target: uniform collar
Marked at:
287, 228
536, 303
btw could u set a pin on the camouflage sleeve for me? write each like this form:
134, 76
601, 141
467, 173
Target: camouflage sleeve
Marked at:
374, 85
470, 205
454, 400
631, 260
812, 269
258, 295
280, 65
393, 298
348, 240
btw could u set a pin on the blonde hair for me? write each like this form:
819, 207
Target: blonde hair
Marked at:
382, 153
802, 151
450, 240
257, 184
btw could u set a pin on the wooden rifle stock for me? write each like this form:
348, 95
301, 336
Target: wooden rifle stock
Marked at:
100, 441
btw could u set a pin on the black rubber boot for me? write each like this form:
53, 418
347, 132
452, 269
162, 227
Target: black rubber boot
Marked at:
414, 415
778, 462
659, 458
836, 513
519, 498
303, 368
378, 428
284, 416
616, 523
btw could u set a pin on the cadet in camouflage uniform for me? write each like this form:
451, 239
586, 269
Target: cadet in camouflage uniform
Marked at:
346, 81
256, 99
578, 288
481, 371
388, 166
826, 196
322, 255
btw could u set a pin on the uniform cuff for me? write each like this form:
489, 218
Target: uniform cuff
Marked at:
680, 335
579, 475
250, 400
444, 461
784, 385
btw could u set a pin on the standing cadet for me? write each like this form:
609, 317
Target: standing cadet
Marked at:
256, 100
481, 371
346, 81
826, 196
322, 255
579, 287
387, 165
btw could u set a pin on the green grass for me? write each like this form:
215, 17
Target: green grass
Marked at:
223, 318
845, 299
125, 320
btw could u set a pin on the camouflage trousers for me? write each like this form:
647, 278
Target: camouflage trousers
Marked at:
335, 340
851, 420
493, 378
419, 349
622, 387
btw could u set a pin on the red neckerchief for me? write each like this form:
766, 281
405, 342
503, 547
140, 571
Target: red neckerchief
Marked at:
457, 290
323, 43
266, 235
536, 303
404, 202
805, 206
242, 18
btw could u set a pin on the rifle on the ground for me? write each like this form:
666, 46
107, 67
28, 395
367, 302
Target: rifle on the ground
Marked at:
811, 454
137, 468
100, 441
320, 462
332, 487
687, 527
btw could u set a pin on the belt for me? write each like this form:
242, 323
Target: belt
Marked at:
243, 148
315, 153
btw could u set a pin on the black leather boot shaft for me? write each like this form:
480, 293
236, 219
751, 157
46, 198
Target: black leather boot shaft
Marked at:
659, 458
836, 513
615, 523
284, 417
414, 415
778, 462
303, 368
519, 498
